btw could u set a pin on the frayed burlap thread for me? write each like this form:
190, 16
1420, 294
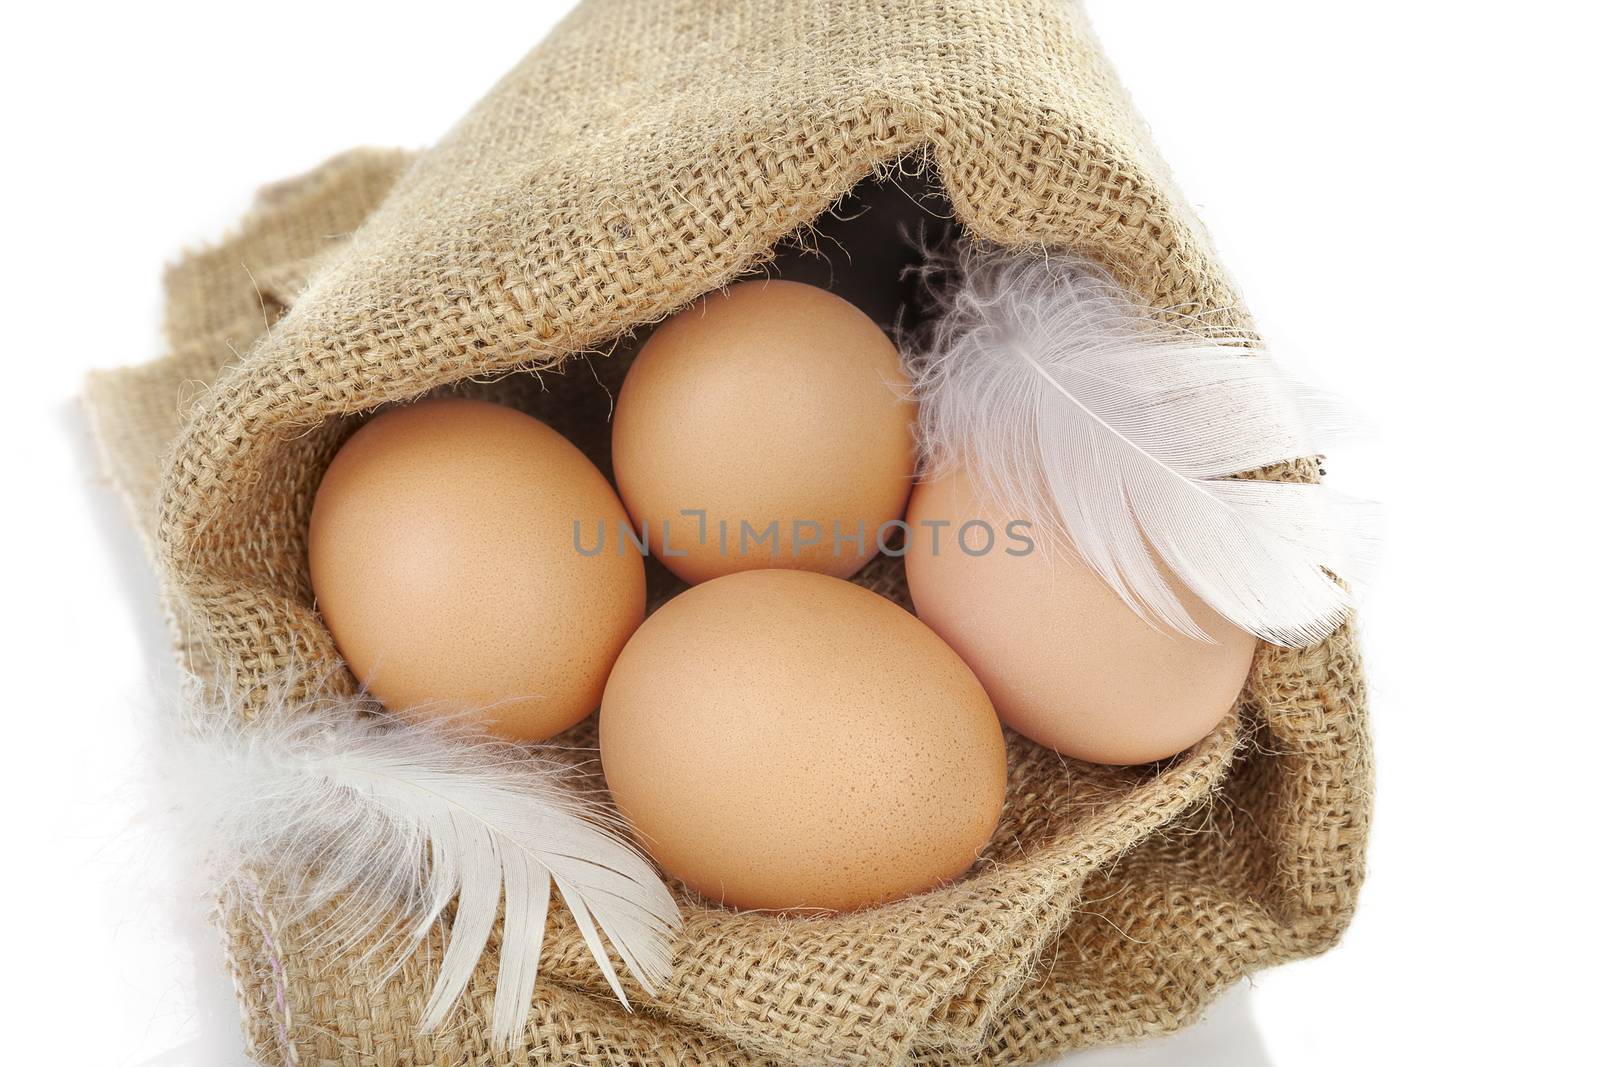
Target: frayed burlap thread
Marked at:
645, 153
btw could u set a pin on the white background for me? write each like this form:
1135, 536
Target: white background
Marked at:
1404, 191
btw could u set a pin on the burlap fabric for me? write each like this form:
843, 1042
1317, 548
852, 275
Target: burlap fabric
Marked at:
645, 153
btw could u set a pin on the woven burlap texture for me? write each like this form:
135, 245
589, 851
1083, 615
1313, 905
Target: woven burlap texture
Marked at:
645, 153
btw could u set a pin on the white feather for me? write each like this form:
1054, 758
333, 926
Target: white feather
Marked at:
377, 826
1076, 409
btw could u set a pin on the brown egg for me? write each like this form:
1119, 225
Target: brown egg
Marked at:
765, 426
785, 740
446, 566
1066, 662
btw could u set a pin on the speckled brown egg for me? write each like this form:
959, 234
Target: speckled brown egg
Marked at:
445, 564
1065, 660
767, 425
786, 740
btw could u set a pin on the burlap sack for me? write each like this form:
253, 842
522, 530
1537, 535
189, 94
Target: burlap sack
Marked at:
646, 153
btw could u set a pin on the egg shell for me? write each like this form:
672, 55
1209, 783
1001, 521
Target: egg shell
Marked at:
786, 740
1065, 660
770, 402
443, 560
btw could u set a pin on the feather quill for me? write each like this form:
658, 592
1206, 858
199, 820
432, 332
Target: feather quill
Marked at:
376, 826
1076, 409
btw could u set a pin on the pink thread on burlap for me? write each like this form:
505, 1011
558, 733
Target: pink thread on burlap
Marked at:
280, 985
